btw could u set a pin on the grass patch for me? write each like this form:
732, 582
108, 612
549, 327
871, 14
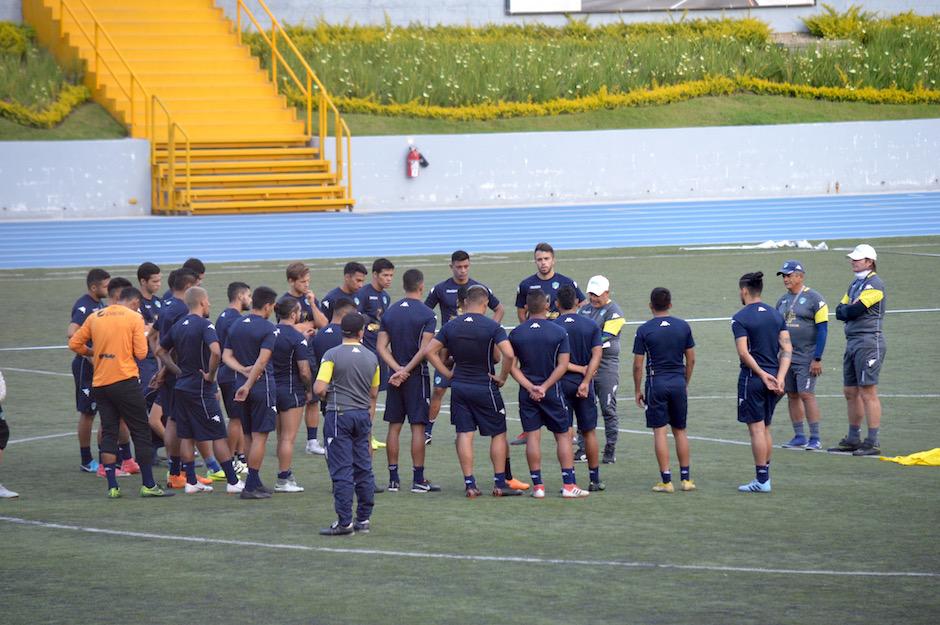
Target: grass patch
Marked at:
732, 110
804, 524
29, 74
88, 121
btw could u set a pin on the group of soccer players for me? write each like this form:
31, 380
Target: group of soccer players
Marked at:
564, 355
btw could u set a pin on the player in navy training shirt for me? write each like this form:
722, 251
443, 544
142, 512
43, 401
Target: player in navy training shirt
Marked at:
195, 345
406, 328
374, 300
445, 295
247, 352
354, 276
760, 334
587, 349
541, 348
239, 301
475, 400
291, 361
149, 281
96, 281
665, 343
546, 280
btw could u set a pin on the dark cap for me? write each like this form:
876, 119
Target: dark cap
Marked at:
352, 324
789, 267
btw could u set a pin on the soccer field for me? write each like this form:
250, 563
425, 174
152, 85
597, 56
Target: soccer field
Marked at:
840, 539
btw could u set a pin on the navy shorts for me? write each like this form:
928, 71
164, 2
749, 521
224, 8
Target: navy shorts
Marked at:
441, 381
410, 399
286, 400
198, 417
259, 410
148, 369
584, 409
667, 402
166, 398
551, 411
82, 374
755, 401
233, 409
477, 407
4, 431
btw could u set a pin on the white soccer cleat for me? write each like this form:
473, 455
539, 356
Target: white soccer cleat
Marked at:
198, 487
234, 489
573, 492
315, 448
538, 491
6, 493
288, 486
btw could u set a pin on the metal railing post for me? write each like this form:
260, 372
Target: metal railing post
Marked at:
171, 159
274, 55
238, 19
309, 105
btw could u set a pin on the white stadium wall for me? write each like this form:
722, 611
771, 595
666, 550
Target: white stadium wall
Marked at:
112, 178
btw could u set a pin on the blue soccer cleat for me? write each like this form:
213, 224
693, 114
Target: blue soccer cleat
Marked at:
814, 444
797, 442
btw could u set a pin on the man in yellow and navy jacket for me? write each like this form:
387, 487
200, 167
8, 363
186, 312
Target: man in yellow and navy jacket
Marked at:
863, 310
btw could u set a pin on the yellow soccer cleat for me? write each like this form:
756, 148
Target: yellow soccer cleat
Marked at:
664, 487
688, 485
377, 444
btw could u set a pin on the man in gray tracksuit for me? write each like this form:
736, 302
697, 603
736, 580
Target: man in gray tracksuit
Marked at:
607, 314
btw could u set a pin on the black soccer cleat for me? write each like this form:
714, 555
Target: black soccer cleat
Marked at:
338, 530
505, 491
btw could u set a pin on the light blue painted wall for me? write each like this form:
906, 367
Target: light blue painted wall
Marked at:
51, 179
624, 165
11, 10
478, 12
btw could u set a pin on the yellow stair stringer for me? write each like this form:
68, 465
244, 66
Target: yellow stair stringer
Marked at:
177, 73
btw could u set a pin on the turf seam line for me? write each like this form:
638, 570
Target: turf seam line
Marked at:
468, 557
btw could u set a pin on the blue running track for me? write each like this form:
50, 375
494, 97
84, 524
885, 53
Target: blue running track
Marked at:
87, 243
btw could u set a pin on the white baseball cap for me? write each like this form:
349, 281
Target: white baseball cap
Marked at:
863, 251
598, 285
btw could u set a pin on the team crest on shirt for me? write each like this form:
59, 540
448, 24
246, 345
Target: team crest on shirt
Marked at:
356, 299
555, 284
802, 300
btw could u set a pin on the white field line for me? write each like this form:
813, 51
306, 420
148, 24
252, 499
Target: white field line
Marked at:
621, 564
632, 323
41, 438
37, 371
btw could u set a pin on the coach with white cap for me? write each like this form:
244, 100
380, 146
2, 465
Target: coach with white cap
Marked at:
863, 310
607, 314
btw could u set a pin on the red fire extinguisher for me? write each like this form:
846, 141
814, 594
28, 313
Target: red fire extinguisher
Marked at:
413, 162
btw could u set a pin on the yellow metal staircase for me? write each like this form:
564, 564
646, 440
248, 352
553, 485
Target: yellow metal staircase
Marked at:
223, 140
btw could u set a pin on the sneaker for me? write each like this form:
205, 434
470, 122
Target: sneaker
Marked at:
846, 445
130, 467
289, 485
505, 491
240, 467
868, 448
425, 487
378, 489
362, 527
609, 457
91, 467
315, 448
755, 487
6, 493
514, 483
338, 530
114, 493
814, 444
797, 442
393, 486
571, 491
175, 481
154, 491
664, 487
688, 485
579, 455
254, 494
377, 444
427, 439
472, 492
193, 489
593, 487
234, 489
119, 472
216, 476
519, 440
264, 489
538, 491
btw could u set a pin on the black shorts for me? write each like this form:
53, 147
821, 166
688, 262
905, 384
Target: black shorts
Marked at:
4, 431
667, 402
198, 417
408, 400
477, 407
259, 410
755, 401
582, 408
82, 376
551, 411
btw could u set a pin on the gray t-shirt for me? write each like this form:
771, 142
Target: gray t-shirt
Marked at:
802, 312
867, 329
610, 319
352, 371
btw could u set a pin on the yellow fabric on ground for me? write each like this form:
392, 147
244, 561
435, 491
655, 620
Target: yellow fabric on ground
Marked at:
929, 458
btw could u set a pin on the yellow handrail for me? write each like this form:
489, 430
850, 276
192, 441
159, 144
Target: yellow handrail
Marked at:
150, 100
324, 101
